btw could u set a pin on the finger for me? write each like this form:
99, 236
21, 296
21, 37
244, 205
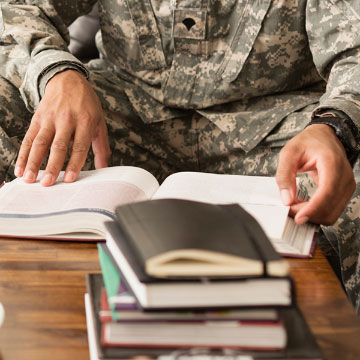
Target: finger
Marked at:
37, 153
312, 211
79, 150
286, 174
25, 148
58, 152
296, 207
320, 209
101, 147
319, 202
325, 206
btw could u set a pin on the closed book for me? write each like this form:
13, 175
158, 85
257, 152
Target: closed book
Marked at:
301, 344
130, 312
257, 335
117, 303
175, 238
176, 254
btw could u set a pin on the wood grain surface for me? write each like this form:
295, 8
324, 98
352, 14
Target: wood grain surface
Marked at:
326, 307
42, 286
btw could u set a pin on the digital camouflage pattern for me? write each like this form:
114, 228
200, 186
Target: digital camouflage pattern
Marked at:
234, 80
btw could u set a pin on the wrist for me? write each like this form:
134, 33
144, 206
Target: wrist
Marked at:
67, 74
344, 129
66, 79
55, 69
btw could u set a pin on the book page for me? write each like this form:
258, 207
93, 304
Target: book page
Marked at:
256, 194
97, 189
297, 240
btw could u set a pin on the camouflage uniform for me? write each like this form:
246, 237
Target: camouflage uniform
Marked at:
201, 85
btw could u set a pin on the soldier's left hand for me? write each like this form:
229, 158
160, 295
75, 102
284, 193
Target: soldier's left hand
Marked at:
319, 152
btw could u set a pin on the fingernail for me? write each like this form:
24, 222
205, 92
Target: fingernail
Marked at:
29, 175
46, 179
69, 176
18, 171
302, 220
285, 196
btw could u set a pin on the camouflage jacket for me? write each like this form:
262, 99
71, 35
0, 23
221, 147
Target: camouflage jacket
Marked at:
243, 64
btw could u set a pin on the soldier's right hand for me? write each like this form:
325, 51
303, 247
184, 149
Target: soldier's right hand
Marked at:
69, 115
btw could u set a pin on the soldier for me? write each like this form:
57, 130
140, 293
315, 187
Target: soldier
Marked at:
229, 86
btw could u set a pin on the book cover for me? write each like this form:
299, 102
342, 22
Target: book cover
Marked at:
179, 239
245, 335
125, 313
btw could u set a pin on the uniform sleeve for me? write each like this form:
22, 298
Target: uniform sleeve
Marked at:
333, 28
34, 39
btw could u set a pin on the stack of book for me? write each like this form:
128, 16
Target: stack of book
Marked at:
180, 275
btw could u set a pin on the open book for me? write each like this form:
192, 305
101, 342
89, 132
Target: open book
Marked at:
78, 210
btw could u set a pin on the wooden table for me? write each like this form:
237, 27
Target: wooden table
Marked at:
42, 286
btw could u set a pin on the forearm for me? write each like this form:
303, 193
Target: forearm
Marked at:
343, 86
333, 32
33, 40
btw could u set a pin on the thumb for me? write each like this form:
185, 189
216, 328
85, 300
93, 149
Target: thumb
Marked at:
286, 174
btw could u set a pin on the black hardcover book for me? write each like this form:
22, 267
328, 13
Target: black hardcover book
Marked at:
229, 293
182, 239
200, 255
301, 343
